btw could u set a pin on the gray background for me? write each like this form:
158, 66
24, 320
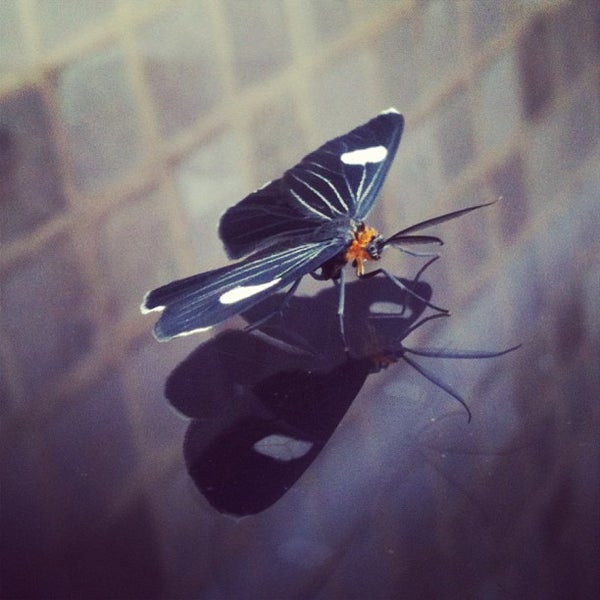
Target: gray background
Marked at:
127, 127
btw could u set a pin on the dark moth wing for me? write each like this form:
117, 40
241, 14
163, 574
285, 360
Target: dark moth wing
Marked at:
207, 299
256, 459
306, 321
341, 179
379, 317
262, 412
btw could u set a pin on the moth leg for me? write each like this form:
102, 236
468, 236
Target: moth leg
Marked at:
424, 268
341, 282
439, 383
397, 282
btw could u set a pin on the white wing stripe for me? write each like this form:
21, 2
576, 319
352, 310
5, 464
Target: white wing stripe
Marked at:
318, 194
372, 181
287, 260
330, 184
359, 192
308, 206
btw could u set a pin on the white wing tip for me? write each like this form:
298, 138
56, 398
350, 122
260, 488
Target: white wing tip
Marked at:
145, 310
390, 110
168, 338
190, 332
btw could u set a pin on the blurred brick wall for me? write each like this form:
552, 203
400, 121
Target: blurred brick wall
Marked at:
127, 127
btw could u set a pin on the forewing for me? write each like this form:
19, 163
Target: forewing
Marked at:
265, 218
202, 301
261, 413
349, 171
340, 179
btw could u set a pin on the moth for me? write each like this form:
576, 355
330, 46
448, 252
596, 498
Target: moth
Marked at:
312, 220
262, 408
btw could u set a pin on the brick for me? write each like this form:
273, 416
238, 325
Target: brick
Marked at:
573, 29
508, 184
584, 199
543, 161
159, 428
14, 54
557, 251
325, 20
569, 326
136, 252
91, 453
58, 27
25, 520
277, 139
183, 535
100, 115
537, 76
209, 180
469, 240
46, 299
581, 128
488, 21
31, 184
125, 547
260, 38
455, 134
419, 172
337, 106
440, 43
398, 66
181, 65
591, 292
498, 102
525, 289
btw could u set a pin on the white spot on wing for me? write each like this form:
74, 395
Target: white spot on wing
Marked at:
363, 156
241, 292
390, 110
281, 447
390, 308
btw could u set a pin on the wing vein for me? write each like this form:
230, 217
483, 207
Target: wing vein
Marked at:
332, 187
317, 193
308, 206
